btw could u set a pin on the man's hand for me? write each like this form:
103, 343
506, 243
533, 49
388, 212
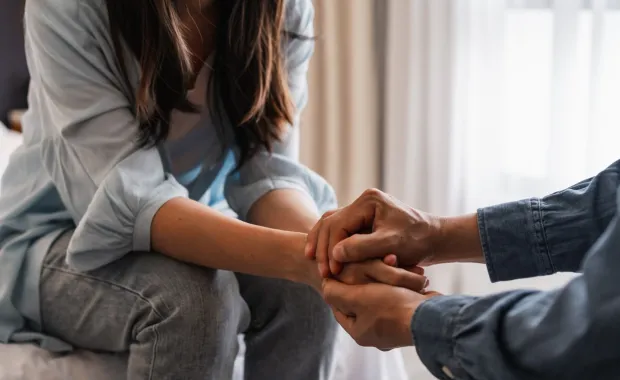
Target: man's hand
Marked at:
375, 315
372, 227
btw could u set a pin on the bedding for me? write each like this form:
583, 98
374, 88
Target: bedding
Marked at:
18, 362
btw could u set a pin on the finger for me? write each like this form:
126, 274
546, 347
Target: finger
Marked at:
336, 235
341, 296
357, 217
391, 260
311, 240
335, 267
322, 252
402, 278
362, 247
415, 269
347, 322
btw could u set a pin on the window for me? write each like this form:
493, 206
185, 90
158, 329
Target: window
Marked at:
561, 78
547, 4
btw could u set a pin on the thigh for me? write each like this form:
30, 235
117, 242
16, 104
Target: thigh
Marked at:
105, 309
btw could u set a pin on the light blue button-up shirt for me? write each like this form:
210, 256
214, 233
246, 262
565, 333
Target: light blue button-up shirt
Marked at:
572, 333
79, 166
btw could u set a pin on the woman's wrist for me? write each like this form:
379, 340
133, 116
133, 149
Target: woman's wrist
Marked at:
298, 267
458, 241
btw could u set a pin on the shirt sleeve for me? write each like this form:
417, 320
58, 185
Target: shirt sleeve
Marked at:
281, 170
542, 236
569, 333
111, 189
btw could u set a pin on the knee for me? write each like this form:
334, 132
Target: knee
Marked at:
309, 313
199, 301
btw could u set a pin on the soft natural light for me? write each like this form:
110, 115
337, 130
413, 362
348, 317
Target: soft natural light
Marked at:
606, 133
527, 91
560, 114
530, 129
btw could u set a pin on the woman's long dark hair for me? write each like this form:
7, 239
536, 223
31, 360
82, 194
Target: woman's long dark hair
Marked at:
249, 79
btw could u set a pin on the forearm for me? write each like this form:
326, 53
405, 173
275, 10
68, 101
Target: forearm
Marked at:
193, 233
458, 241
533, 237
530, 334
542, 236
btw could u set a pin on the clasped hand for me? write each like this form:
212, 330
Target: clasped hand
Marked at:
374, 236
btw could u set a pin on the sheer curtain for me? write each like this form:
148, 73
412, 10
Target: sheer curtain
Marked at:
496, 100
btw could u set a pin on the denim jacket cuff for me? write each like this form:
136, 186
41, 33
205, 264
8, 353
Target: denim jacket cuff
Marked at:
513, 240
433, 326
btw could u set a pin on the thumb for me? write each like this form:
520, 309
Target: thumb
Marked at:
362, 247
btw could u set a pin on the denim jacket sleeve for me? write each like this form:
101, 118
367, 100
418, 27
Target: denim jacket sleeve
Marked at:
281, 170
569, 333
536, 237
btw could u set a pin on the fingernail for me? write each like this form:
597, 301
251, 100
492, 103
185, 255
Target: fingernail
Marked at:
338, 253
427, 283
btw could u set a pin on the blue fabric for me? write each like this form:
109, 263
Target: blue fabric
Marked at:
79, 166
568, 333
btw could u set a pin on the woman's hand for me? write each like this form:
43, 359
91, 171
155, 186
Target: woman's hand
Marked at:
372, 271
367, 272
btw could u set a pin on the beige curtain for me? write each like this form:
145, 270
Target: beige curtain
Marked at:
340, 134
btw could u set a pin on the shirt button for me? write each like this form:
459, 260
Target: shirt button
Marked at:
447, 371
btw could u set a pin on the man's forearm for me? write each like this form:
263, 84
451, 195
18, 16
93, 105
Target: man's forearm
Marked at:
541, 236
458, 241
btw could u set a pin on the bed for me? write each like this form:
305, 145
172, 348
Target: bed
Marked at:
30, 362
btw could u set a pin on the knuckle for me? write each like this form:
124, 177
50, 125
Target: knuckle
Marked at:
374, 193
327, 214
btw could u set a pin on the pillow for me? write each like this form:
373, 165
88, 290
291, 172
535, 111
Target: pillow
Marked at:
14, 77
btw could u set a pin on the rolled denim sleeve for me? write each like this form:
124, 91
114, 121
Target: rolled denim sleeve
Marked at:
281, 170
569, 333
542, 236
110, 187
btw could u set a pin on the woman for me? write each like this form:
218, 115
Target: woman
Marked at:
144, 116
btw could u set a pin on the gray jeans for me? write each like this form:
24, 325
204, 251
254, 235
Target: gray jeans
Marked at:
179, 321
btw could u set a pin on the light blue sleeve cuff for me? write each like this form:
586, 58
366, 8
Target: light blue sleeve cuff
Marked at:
265, 173
142, 230
119, 217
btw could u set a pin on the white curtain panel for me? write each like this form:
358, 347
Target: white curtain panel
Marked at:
490, 101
